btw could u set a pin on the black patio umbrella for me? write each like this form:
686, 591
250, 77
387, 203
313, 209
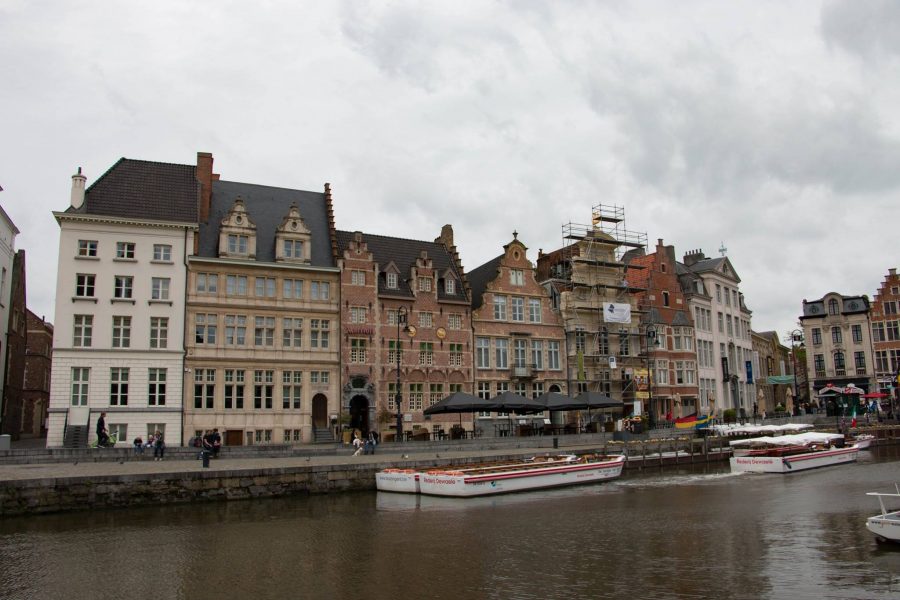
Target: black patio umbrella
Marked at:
557, 401
596, 400
512, 402
459, 402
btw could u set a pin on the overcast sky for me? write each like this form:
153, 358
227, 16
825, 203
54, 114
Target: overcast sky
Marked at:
771, 127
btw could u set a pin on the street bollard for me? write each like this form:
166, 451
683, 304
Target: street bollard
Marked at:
205, 458
556, 442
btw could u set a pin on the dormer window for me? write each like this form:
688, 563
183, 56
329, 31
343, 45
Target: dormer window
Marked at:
237, 244
392, 281
832, 307
424, 284
237, 233
449, 286
292, 238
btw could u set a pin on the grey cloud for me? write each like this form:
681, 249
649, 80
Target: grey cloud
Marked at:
868, 29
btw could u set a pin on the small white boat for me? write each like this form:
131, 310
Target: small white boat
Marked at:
533, 474
864, 441
397, 480
885, 526
791, 453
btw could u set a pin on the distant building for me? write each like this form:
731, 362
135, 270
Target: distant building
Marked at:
36, 389
8, 233
774, 366
837, 329
120, 302
886, 333
519, 336
14, 367
404, 302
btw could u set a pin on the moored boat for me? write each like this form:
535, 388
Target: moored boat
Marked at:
530, 474
885, 526
397, 480
791, 453
863, 441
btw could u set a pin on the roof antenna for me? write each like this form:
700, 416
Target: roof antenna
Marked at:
722, 249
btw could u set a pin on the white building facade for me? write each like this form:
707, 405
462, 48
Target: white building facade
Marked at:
120, 304
8, 233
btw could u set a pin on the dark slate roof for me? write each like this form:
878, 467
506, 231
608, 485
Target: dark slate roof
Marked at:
140, 189
849, 305
403, 253
480, 277
267, 206
681, 319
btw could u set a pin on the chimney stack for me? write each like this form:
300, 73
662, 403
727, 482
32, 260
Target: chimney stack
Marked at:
205, 177
78, 189
446, 237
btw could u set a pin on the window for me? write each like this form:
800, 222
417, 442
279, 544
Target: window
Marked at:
660, 374
484, 392
890, 308
159, 288
836, 337
878, 332
392, 281
159, 332
624, 342
121, 332
519, 352
262, 389
537, 354
293, 248
125, 250
727, 297
391, 396
156, 387
291, 389
237, 244
454, 321
534, 310
204, 388
516, 277
893, 330
162, 252
83, 327
235, 330
734, 296
456, 355
292, 332
118, 386
833, 307
415, 396
435, 393
721, 323
357, 314
358, 277
234, 389
859, 358
424, 284
264, 331
392, 351
856, 331
318, 333
426, 320
881, 361
816, 336
483, 353
205, 329
449, 286
679, 371
426, 353
728, 325
579, 340
292, 288
501, 349
518, 309
84, 285
357, 351
839, 367
265, 287
665, 298
87, 248
499, 308
80, 378
236, 285
319, 290
718, 293
207, 283
123, 286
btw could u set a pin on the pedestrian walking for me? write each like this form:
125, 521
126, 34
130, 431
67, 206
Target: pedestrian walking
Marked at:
159, 446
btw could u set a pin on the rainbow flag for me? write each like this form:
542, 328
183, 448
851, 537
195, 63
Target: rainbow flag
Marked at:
693, 421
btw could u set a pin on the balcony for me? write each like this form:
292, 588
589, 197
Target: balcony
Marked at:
522, 371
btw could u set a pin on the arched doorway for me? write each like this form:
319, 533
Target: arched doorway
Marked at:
359, 413
320, 411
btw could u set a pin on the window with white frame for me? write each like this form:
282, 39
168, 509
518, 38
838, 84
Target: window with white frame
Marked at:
836, 335
118, 386
236, 285
393, 345
205, 329
553, 355
483, 353
159, 288
235, 330
318, 333
291, 389
456, 355
449, 286
265, 287
156, 387
516, 277
204, 388
534, 310
537, 354
661, 373
87, 248
358, 314
424, 284
520, 349
319, 290
357, 277
293, 248
856, 331
426, 353
501, 353
499, 308
237, 244
162, 252
358, 351
426, 320
234, 389
123, 287
292, 332
207, 283
391, 281
121, 332
292, 289
83, 328
416, 396
264, 331
159, 332
125, 250
80, 379
263, 388
517, 312
454, 321
435, 393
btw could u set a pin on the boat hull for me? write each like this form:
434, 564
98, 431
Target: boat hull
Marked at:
404, 481
444, 484
885, 527
794, 462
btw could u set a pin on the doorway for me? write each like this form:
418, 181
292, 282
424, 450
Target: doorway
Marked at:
234, 437
320, 411
359, 413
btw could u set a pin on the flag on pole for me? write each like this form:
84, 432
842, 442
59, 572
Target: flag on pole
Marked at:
853, 415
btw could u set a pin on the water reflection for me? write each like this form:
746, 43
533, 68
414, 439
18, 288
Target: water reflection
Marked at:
693, 533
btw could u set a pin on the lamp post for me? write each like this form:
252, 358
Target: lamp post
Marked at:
652, 341
796, 336
401, 320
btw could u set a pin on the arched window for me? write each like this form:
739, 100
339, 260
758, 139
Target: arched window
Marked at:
832, 307
839, 367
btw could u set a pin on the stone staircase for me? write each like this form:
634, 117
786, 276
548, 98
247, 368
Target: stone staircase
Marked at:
76, 436
322, 435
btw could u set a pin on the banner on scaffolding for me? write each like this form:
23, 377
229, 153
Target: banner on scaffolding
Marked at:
617, 313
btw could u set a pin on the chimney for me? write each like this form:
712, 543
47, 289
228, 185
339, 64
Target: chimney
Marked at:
893, 272
78, 189
205, 177
693, 257
446, 236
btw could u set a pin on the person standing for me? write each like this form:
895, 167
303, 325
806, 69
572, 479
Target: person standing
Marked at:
102, 431
159, 446
217, 442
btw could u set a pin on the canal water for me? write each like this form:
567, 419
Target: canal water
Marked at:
697, 532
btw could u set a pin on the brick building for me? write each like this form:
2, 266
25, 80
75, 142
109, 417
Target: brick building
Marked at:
14, 379
36, 387
385, 280
886, 333
519, 336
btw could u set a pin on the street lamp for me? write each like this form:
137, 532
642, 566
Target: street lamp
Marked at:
401, 320
652, 341
796, 336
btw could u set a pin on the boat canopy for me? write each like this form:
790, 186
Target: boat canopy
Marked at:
750, 429
797, 439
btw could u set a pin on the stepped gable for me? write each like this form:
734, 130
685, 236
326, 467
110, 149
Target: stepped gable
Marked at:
141, 189
267, 206
480, 277
403, 253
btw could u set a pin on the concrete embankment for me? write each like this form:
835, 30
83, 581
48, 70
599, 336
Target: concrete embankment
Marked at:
99, 481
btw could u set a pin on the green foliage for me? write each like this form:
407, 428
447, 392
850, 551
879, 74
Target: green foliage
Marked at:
729, 415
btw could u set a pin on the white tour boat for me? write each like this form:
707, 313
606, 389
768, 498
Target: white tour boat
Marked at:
398, 480
791, 453
530, 474
863, 441
885, 526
